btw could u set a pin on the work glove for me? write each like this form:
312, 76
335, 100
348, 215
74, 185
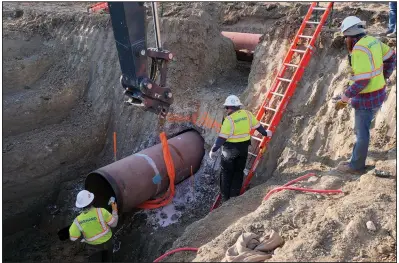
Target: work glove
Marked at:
114, 207
113, 204
211, 154
269, 133
340, 105
341, 101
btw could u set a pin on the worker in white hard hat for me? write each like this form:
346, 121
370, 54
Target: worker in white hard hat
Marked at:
234, 138
372, 64
94, 225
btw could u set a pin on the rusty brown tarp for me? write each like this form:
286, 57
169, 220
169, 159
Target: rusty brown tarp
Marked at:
251, 247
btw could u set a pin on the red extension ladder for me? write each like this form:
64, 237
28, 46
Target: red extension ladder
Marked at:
283, 87
98, 7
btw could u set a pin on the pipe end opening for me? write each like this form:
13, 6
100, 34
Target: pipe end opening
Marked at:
102, 189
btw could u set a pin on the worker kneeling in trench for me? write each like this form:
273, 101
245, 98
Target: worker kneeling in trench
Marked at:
94, 223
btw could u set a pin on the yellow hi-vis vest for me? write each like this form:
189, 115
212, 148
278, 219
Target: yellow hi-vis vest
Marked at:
237, 126
367, 59
93, 224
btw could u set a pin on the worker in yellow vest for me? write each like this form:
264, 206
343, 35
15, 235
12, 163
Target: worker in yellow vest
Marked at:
372, 63
94, 224
235, 137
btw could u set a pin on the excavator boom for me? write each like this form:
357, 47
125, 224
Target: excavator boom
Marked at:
129, 26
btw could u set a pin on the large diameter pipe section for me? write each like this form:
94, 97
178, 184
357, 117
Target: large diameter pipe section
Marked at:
142, 176
243, 40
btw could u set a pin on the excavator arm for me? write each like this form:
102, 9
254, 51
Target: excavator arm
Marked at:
129, 26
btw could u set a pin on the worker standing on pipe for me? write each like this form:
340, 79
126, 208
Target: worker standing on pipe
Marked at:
372, 63
94, 224
235, 138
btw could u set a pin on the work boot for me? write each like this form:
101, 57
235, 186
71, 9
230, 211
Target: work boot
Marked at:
344, 167
392, 35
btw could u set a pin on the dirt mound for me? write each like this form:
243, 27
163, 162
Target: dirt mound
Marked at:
314, 227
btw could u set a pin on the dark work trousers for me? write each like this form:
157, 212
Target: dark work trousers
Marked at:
234, 158
102, 252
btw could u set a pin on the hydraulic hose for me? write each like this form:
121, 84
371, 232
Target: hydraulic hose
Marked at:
278, 189
287, 187
299, 179
303, 190
174, 251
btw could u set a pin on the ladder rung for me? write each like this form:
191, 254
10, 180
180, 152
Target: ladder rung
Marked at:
252, 154
256, 138
267, 108
291, 65
319, 8
298, 50
310, 37
265, 124
277, 94
312, 22
286, 80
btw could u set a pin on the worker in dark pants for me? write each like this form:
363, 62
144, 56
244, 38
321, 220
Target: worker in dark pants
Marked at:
94, 225
235, 137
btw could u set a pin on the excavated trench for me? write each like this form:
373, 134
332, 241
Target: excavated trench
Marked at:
62, 103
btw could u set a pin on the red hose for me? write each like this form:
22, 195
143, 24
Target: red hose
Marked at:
278, 189
301, 189
174, 251
218, 198
299, 179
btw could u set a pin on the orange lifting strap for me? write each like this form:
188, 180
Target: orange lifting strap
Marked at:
168, 196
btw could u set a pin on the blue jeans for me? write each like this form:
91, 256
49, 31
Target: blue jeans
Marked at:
392, 17
363, 119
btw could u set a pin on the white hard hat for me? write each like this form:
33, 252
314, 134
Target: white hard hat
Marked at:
232, 100
351, 21
84, 199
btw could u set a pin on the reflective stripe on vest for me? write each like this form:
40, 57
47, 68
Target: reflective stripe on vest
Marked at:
368, 45
79, 227
374, 72
249, 118
386, 55
231, 126
233, 129
238, 132
101, 221
250, 121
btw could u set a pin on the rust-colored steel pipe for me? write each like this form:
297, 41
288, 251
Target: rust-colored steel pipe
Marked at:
142, 176
243, 41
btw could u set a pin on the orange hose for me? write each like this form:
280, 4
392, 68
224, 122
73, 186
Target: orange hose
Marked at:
176, 250
115, 146
320, 191
288, 187
168, 196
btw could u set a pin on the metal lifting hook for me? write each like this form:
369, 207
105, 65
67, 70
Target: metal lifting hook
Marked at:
146, 91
